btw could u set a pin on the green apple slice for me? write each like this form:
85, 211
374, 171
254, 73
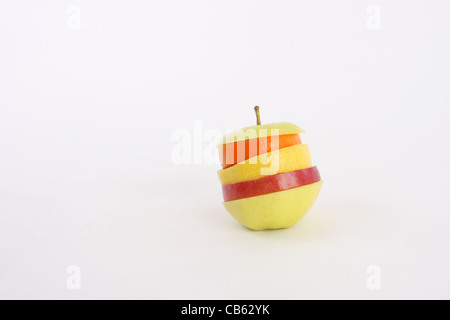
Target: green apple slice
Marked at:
276, 210
260, 131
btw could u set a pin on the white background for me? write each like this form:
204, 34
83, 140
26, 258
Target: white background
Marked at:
87, 178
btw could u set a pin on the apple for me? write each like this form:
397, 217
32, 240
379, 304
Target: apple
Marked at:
260, 198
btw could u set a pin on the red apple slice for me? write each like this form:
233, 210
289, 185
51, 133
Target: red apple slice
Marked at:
269, 184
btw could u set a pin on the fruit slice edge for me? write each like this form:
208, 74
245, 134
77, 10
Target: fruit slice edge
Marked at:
269, 184
252, 132
289, 159
232, 153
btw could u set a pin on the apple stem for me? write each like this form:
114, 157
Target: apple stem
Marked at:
258, 119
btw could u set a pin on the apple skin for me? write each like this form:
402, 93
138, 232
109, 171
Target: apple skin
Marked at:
269, 184
290, 158
276, 210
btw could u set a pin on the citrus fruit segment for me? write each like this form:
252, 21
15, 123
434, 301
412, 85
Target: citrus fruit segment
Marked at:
276, 210
232, 153
283, 160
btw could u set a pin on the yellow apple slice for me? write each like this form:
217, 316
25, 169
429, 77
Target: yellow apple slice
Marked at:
283, 160
274, 210
260, 131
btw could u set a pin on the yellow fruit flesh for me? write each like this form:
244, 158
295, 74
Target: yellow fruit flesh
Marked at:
260, 131
276, 210
289, 159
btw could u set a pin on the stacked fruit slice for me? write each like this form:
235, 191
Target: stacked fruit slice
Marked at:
268, 181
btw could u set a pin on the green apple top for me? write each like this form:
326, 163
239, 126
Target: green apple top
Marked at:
261, 131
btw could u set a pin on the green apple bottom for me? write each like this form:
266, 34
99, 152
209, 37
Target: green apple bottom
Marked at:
274, 201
